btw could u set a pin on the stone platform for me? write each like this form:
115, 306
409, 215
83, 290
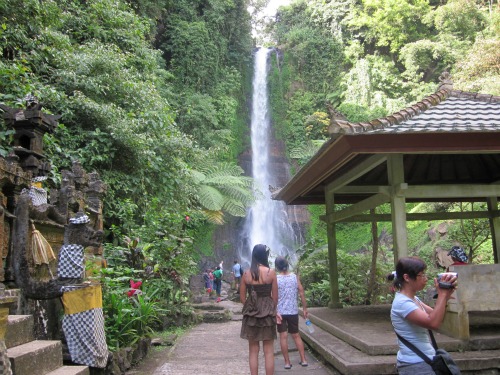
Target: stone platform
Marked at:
360, 340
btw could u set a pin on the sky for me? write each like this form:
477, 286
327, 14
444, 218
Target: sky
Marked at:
274, 5
269, 11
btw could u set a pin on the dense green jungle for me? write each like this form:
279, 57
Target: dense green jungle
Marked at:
154, 96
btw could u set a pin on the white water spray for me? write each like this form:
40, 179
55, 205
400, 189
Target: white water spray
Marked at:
268, 220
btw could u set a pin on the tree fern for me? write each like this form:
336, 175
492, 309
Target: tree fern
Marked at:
210, 198
222, 189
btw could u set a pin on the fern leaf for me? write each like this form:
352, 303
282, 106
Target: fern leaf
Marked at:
210, 198
214, 217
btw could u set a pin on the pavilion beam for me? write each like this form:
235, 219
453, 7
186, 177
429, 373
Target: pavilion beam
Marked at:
332, 251
364, 205
358, 171
450, 191
424, 216
352, 189
492, 203
428, 191
395, 172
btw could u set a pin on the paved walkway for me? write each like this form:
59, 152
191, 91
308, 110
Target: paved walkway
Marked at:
217, 349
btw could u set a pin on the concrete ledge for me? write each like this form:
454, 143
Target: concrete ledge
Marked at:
345, 358
365, 330
19, 330
36, 357
71, 370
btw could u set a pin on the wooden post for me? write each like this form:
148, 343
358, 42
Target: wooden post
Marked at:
332, 252
495, 228
395, 173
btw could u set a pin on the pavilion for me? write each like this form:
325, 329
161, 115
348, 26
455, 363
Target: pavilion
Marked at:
444, 148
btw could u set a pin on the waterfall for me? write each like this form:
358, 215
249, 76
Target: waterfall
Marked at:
268, 221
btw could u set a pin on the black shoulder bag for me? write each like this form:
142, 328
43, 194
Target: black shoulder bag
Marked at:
442, 363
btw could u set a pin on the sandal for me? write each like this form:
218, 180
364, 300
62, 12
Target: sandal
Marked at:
288, 367
304, 364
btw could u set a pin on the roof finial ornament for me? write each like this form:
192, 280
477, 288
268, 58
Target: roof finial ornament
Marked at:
445, 81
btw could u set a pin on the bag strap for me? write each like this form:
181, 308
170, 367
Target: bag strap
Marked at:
415, 349
433, 340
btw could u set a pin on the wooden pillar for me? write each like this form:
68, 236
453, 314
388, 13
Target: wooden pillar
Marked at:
332, 252
395, 173
494, 227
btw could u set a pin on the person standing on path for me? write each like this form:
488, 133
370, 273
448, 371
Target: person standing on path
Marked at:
218, 281
289, 287
237, 275
259, 309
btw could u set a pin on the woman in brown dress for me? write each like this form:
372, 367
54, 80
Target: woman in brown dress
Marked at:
259, 309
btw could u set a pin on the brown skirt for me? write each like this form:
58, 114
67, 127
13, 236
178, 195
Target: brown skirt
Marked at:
259, 315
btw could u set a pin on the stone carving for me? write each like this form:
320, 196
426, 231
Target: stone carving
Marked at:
74, 233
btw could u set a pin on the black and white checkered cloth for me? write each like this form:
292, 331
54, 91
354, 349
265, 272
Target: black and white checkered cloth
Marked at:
38, 195
39, 179
83, 219
85, 336
71, 262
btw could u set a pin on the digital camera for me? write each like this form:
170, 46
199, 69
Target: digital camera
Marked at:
445, 284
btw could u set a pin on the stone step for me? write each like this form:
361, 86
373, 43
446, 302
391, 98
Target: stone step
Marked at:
36, 357
19, 330
214, 316
349, 360
71, 370
373, 336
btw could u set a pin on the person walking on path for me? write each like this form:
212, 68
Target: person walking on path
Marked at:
289, 287
207, 281
237, 275
411, 318
259, 309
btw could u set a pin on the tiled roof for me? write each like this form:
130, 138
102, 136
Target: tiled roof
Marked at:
443, 111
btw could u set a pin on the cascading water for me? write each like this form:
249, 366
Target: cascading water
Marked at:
268, 221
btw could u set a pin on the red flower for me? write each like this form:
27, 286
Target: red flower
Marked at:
134, 285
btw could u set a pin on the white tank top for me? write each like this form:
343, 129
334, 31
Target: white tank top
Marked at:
287, 294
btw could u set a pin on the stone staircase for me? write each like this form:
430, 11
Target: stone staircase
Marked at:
356, 341
35, 357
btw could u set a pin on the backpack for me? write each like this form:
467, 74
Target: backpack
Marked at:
241, 271
217, 274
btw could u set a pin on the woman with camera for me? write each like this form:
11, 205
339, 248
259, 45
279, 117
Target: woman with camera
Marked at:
411, 318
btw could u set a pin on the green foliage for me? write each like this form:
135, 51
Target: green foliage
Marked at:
305, 151
391, 23
221, 187
479, 69
462, 18
472, 233
127, 318
353, 269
